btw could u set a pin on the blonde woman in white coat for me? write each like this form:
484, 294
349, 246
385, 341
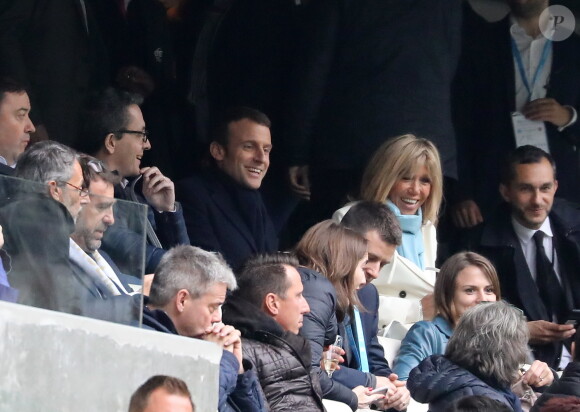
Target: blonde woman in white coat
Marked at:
405, 173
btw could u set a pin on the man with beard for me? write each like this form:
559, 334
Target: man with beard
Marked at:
93, 268
511, 75
534, 243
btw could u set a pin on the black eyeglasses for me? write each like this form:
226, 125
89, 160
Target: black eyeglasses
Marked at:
82, 192
144, 133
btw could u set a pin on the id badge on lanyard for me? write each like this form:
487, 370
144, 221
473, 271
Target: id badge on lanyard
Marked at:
530, 132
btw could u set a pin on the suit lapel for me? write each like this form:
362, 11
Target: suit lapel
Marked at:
82, 277
527, 287
556, 82
506, 64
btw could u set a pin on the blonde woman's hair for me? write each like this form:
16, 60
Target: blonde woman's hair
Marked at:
334, 251
394, 159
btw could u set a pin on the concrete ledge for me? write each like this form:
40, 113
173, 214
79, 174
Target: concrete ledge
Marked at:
57, 362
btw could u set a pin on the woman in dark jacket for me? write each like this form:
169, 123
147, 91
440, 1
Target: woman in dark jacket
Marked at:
482, 358
332, 258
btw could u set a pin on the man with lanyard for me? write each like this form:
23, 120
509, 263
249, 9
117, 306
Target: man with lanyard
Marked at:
515, 86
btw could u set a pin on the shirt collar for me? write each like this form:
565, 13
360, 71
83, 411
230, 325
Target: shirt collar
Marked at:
4, 162
525, 234
518, 33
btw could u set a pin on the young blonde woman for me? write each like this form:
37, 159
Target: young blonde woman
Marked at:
405, 173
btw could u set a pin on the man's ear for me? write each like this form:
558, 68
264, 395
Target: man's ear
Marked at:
217, 151
555, 185
270, 305
179, 300
54, 191
504, 192
110, 143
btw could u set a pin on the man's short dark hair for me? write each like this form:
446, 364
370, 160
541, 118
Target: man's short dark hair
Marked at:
104, 112
478, 403
523, 155
366, 216
172, 385
234, 114
9, 85
263, 274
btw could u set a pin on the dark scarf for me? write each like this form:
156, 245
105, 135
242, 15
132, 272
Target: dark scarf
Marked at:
511, 397
251, 207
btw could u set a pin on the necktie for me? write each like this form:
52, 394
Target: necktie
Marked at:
549, 287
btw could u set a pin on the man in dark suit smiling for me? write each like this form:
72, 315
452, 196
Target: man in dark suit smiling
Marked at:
223, 209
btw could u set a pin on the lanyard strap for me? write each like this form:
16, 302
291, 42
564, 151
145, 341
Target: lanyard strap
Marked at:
362, 347
521, 69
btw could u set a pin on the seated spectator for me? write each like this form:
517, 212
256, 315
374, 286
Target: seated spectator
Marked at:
15, 125
478, 403
332, 259
465, 280
567, 386
405, 174
223, 208
38, 220
380, 228
162, 393
533, 242
482, 358
114, 132
268, 309
94, 268
187, 292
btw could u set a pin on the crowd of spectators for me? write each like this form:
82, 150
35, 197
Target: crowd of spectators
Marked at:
268, 175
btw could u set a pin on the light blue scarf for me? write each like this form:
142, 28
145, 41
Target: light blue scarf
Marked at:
412, 246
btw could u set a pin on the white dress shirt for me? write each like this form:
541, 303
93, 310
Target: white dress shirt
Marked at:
525, 236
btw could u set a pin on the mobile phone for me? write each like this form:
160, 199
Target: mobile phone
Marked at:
379, 390
573, 317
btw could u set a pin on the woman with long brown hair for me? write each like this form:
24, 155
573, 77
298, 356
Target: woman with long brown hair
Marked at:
332, 258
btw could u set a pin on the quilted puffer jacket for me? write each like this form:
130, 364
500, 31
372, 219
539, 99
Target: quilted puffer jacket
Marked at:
280, 358
440, 382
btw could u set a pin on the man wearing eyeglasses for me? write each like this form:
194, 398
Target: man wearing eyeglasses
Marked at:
38, 220
114, 132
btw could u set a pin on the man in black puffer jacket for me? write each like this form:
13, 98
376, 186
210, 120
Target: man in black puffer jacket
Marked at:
268, 309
